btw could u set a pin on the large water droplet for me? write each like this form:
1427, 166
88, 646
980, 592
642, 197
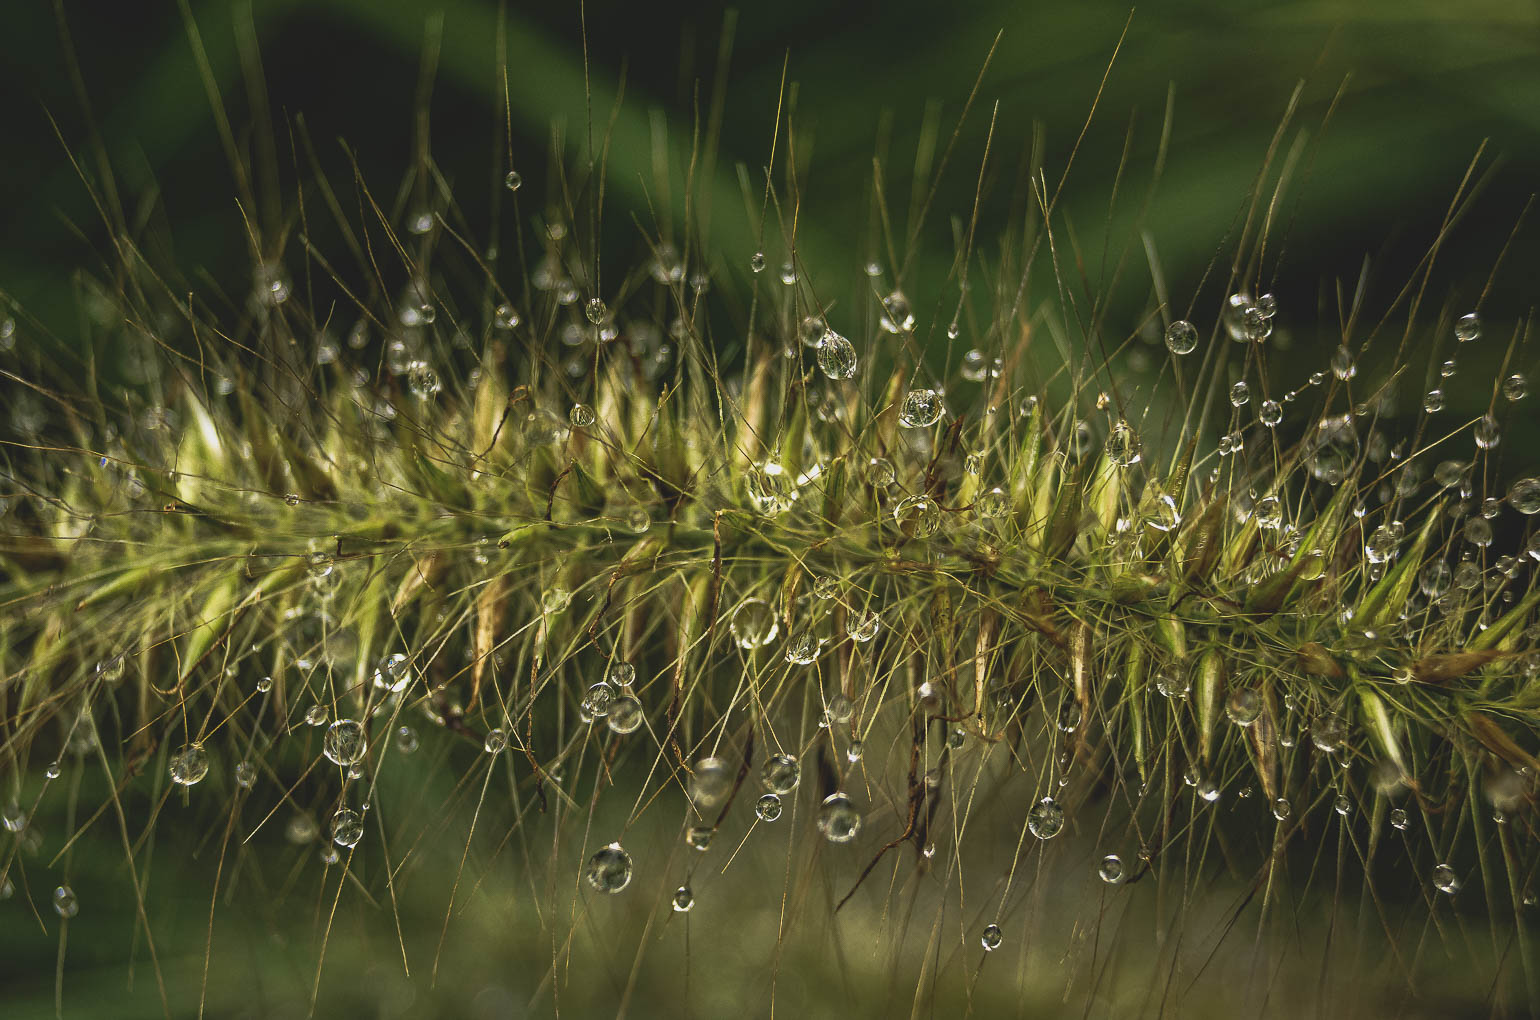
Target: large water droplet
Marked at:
921, 409
1181, 337
347, 827
1045, 819
836, 355
189, 765
345, 742
838, 819
609, 869
754, 624
991, 938
897, 317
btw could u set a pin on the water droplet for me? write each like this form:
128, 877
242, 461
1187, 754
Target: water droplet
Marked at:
1382, 544
513, 181
897, 317
1398, 818
1329, 734
1282, 809
698, 837
245, 775
754, 624
1487, 433
836, 355
757, 262
595, 311
1445, 880
802, 647
345, 742
55, 770
1270, 413
392, 673
1045, 819
825, 587
1435, 578
1468, 328
861, 627
347, 827
991, 938
598, 699
919, 515
1111, 870
710, 780
1332, 449
496, 740
684, 899
1123, 446
838, 819
189, 765
1478, 531
1267, 305
64, 902
581, 416
854, 752
993, 505
1240, 394
505, 317
1268, 513
1181, 337
406, 740
788, 273
921, 409
879, 473
609, 869
768, 807
1343, 366
1243, 706
625, 714
1515, 387
1524, 496
1234, 316
1172, 683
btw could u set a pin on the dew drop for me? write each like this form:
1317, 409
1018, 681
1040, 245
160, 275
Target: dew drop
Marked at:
919, 515
1343, 366
1398, 818
1243, 706
1111, 870
768, 807
1515, 388
897, 317
347, 827
64, 902
1524, 496
1045, 819
513, 181
754, 624
1468, 328
1123, 446
494, 743
245, 775
698, 837
921, 409
838, 819
1487, 433
625, 715
757, 262
861, 627
392, 673
710, 780
1181, 337
581, 416
1445, 880
1270, 413
595, 311
836, 355
991, 938
345, 742
189, 765
609, 869
1240, 394
684, 899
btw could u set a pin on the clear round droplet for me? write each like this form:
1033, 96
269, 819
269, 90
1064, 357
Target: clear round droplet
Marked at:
1181, 337
897, 317
1398, 818
1445, 880
625, 715
513, 181
754, 624
1240, 394
918, 514
1487, 433
609, 869
1243, 706
494, 743
836, 355
684, 900
1123, 446
1046, 819
1111, 870
245, 775
598, 699
1467, 328
595, 311
1524, 496
347, 827
1270, 413
710, 780
345, 742
1515, 388
838, 819
581, 416
921, 408
64, 902
757, 262
189, 765
991, 938
768, 807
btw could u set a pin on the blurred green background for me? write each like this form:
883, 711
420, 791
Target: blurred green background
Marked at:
1429, 82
